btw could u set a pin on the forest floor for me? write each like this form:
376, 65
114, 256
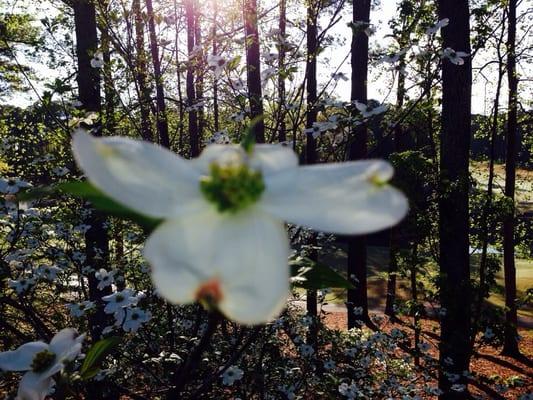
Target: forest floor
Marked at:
488, 367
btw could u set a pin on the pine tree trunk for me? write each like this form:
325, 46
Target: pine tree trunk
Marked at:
96, 238
145, 98
358, 150
161, 112
189, 83
311, 151
510, 345
282, 135
455, 292
200, 69
253, 67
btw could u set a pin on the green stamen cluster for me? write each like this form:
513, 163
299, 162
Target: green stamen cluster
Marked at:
42, 361
232, 188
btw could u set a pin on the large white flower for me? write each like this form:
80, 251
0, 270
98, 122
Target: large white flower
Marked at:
223, 240
42, 361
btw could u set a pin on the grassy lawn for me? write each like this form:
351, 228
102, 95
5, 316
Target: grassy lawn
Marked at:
377, 279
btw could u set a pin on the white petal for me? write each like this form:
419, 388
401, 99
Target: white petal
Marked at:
66, 344
178, 254
141, 175
246, 253
253, 267
21, 358
338, 198
32, 386
220, 153
271, 158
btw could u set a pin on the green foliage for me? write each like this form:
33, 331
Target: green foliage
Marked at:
309, 274
96, 354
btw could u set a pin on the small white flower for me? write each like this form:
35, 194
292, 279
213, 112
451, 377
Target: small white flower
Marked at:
97, 61
488, 334
458, 387
105, 278
60, 171
135, 317
392, 58
48, 272
306, 350
79, 309
456, 57
339, 76
217, 63
223, 239
435, 28
368, 111
423, 346
42, 361
231, 375
350, 391
12, 186
329, 365
117, 301
21, 285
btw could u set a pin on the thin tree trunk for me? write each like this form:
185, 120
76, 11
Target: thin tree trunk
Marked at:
215, 79
453, 203
200, 69
358, 150
416, 308
510, 344
181, 108
161, 112
253, 68
96, 237
311, 152
145, 99
189, 84
282, 136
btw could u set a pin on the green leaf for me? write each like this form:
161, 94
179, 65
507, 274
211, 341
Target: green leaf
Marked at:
248, 140
309, 274
98, 199
96, 354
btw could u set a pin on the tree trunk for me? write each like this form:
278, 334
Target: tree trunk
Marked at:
253, 68
189, 83
453, 203
510, 344
282, 135
200, 74
358, 150
96, 238
145, 98
216, 117
161, 112
311, 153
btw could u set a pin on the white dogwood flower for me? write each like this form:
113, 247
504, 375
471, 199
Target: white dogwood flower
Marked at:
217, 63
222, 240
456, 57
435, 28
368, 111
41, 361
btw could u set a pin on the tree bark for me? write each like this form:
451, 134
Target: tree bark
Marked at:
310, 150
282, 135
510, 344
189, 82
145, 98
253, 68
161, 112
96, 237
453, 203
358, 150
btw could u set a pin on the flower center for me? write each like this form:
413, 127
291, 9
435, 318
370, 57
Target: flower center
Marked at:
42, 361
209, 294
232, 187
